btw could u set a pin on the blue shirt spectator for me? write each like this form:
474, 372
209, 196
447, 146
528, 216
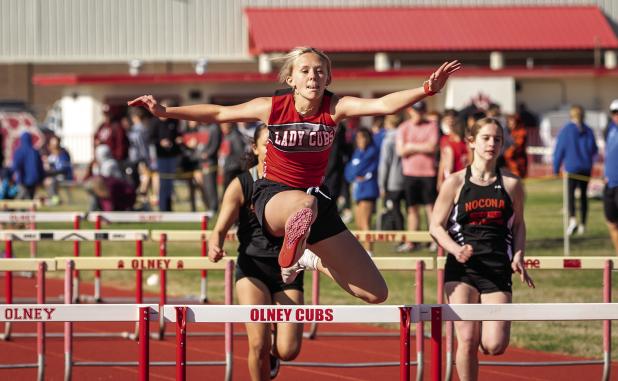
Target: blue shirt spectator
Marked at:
27, 163
576, 148
611, 155
8, 188
362, 172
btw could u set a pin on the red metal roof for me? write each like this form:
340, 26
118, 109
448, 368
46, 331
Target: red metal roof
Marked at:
338, 74
429, 29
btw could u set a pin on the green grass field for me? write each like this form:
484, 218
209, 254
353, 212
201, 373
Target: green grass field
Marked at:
544, 226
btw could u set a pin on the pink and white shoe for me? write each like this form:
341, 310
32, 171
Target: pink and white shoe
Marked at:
296, 232
308, 261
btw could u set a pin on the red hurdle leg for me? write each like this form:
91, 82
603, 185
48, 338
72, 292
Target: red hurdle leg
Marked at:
97, 273
8, 275
229, 328
68, 326
436, 343
181, 343
33, 227
404, 343
139, 290
76, 254
144, 337
40, 326
204, 273
420, 331
607, 324
162, 284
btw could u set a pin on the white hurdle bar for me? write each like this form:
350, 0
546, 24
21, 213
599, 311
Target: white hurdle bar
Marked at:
76, 236
548, 263
151, 217
181, 315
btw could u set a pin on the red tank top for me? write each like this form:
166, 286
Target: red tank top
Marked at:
298, 148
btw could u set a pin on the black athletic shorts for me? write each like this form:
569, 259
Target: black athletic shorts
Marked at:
266, 270
486, 272
610, 204
420, 190
327, 224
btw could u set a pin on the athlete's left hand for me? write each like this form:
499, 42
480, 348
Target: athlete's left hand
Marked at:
518, 266
438, 78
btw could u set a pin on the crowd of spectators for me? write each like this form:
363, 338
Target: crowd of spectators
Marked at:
399, 159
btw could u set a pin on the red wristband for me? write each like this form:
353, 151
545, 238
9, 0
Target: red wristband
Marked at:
427, 90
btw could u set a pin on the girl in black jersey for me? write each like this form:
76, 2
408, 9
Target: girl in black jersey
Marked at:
258, 275
478, 219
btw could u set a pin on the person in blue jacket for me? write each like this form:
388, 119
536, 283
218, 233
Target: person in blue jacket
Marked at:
576, 148
610, 194
362, 172
27, 166
8, 188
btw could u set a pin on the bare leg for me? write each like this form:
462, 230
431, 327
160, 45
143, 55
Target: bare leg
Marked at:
198, 178
289, 336
346, 261
495, 335
253, 291
468, 332
413, 218
285, 204
363, 214
428, 212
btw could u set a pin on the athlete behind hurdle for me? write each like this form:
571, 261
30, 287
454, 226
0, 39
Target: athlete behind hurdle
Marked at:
478, 219
258, 274
290, 200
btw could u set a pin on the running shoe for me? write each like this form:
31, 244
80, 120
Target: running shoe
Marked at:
275, 364
572, 226
296, 233
308, 261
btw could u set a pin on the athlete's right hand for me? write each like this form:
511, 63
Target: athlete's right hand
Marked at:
215, 253
149, 102
464, 253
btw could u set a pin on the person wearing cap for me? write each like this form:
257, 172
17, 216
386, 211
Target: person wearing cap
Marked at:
610, 194
576, 148
417, 143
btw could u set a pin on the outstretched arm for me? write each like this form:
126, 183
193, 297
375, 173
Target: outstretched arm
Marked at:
257, 109
391, 103
232, 201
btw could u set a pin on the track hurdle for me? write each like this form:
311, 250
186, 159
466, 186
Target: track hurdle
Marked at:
41, 313
41, 266
181, 315
76, 236
151, 217
31, 218
138, 264
165, 236
505, 312
549, 263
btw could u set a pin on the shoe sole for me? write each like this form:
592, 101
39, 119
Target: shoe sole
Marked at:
296, 230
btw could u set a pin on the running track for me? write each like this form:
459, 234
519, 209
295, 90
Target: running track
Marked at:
332, 349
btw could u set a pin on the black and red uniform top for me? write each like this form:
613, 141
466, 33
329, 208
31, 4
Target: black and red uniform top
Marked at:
483, 218
298, 147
